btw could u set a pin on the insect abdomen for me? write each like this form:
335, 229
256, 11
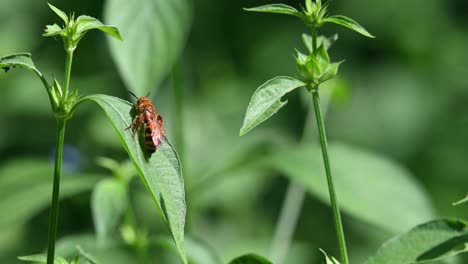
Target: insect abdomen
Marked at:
149, 138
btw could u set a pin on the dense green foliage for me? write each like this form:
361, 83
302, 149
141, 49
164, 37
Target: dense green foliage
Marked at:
396, 121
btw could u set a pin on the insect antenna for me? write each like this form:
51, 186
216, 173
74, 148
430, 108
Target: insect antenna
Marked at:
136, 97
148, 94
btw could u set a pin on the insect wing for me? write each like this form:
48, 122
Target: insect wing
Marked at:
158, 132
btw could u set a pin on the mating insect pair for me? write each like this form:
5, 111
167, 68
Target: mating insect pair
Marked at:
152, 121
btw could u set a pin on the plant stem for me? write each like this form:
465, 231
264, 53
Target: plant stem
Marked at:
55, 191
331, 189
58, 163
68, 66
295, 194
314, 40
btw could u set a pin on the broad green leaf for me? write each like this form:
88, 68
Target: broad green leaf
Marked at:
329, 260
429, 241
464, 200
59, 13
160, 171
276, 8
85, 23
22, 60
349, 23
154, 32
108, 203
42, 258
250, 259
365, 182
28, 183
266, 101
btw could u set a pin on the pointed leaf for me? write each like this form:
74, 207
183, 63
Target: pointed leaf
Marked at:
59, 13
22, 60
85, 23
429, 241
159, 171
349, 23
154, 32
329, 260
53, 30
250, 259
464, 200
266, 101
198, 251
277, 9
331, 72
327, 42
108, 203
42, 258
365, 183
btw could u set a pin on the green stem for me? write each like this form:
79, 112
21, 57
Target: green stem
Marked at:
68, 66
55, 191
314, 39
331, 189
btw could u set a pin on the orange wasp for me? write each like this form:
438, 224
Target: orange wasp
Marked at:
147, 115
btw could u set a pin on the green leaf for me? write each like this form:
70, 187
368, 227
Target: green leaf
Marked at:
59, 13
53, 30
330, 72
429, 241
198, 251
27, 182
365, 182
327, 42
155, 33
277, 9
159, 171
42, 258
329, 260
250, 259
266, 101
349, 23
86, 23
108, 203
22, 60
464, 200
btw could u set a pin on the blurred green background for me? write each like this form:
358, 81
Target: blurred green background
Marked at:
402, 95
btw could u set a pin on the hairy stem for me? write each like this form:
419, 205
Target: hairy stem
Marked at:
55, 191
331, 189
